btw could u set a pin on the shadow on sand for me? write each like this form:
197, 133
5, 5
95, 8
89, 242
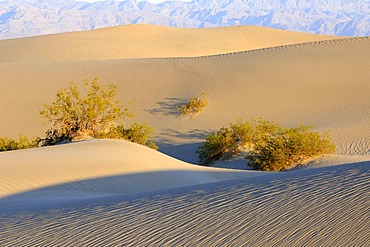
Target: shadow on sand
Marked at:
186, 151
167, 107
169, 183
60, 195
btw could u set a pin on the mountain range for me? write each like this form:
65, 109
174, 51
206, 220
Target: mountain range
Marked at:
22, 18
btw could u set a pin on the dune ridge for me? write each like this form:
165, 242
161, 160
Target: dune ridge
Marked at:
29, 170
142, 41
277, 47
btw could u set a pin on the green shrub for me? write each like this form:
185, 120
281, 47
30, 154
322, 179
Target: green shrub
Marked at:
7, 144
54, 137
230, 141
262, 130
217, 146
138, 133
269, 146
73, 115
288, 148
193, 106
96, 115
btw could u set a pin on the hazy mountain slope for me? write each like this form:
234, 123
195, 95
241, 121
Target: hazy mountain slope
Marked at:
340, 17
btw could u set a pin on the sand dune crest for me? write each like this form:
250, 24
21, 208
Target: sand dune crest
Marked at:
142, 41
28, 170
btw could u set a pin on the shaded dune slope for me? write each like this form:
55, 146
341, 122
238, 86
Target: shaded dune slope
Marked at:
130, 167
323, 206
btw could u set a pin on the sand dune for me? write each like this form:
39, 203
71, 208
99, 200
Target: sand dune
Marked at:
323, 206
130, 167
325, 84
106, 192
142, 41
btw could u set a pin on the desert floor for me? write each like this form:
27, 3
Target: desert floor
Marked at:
111, 192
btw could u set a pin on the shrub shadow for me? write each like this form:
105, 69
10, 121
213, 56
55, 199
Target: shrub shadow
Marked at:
186, 151
167, 107
167, 135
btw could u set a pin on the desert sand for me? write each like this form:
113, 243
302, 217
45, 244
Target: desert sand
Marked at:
143, 41
110, 192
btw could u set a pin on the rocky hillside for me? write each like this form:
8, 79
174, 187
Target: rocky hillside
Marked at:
19, 18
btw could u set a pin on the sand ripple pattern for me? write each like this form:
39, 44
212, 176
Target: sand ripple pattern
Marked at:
316, 207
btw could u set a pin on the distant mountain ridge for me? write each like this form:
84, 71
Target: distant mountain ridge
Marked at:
20, 18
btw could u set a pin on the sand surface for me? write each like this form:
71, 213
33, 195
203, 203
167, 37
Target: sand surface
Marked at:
98, 166
324, 84
106, 192
318, 206
143, 41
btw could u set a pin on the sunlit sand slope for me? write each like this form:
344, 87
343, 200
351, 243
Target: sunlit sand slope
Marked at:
140, 41
316, 207
322, 83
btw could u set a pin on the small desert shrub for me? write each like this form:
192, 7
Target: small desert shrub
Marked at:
216, 146
288, 148
73, 115
137, 133
93, 113
97, 114
269, 146
230, 141
193, 106
54, 137
7, 144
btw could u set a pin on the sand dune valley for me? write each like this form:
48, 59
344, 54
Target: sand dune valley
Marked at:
105, 192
